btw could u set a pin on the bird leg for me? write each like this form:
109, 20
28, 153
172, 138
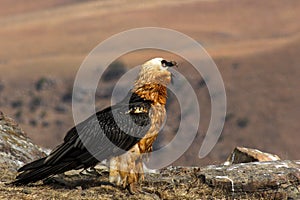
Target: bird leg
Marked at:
114, 175
126, 170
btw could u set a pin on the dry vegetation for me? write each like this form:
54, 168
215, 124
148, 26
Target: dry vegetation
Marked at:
254, 43
176, 183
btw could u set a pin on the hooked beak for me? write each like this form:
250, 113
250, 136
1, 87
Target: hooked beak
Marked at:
172, 64
172, 75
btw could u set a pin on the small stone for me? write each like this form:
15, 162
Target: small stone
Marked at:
25, 191
79, 188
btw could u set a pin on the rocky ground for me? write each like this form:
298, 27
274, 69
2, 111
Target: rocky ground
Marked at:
274, 179
43, 44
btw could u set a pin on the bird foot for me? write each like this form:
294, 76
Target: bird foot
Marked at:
133, 188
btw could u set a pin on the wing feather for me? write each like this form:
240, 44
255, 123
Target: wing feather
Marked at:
108, 133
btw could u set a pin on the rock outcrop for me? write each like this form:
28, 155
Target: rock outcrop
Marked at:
245, 155
15, 147
267, 180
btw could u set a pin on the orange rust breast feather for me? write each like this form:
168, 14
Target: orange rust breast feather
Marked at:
158, 95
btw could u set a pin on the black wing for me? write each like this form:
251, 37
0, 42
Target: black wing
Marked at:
108, 133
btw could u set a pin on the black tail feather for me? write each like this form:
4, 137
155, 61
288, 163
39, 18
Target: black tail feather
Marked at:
34, 175
39, 172
33, 165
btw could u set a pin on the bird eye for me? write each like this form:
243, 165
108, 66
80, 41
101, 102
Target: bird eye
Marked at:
164, 63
